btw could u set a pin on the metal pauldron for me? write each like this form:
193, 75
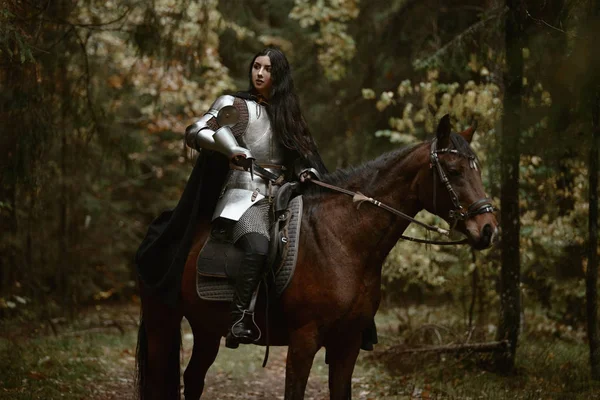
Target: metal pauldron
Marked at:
221, 102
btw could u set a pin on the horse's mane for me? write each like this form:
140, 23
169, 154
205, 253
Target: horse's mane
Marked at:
341, 176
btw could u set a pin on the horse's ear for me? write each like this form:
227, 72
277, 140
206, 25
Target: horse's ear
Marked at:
443, 131
469, 132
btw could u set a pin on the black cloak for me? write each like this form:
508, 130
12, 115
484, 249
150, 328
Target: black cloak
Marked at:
161, 257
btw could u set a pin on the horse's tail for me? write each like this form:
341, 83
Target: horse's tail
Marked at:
171, 369
141, 360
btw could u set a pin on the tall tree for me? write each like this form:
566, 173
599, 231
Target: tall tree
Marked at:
17, 79
592, 269
509, 194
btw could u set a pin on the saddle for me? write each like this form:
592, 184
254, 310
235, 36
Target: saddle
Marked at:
220, 261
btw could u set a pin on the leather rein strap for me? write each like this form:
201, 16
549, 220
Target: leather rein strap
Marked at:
360, 198
480, 206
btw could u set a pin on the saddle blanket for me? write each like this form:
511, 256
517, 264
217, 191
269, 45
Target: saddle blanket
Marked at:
216, 284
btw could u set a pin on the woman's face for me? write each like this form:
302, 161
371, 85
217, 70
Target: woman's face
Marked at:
261, 75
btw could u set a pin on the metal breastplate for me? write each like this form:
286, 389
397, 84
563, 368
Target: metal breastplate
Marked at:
240, 191
259, 137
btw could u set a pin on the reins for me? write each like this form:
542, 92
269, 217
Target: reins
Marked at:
480, 206
360, 198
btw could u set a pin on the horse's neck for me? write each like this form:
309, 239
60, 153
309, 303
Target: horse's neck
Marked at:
372, 229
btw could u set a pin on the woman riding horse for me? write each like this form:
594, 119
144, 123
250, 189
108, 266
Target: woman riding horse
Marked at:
336, 287
266, 140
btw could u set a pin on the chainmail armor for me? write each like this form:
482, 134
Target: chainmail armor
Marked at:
213, 124
255, 220
239, 128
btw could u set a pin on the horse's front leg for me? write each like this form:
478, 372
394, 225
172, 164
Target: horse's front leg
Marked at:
302, 348
341, 356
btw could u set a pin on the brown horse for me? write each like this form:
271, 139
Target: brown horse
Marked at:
335, 291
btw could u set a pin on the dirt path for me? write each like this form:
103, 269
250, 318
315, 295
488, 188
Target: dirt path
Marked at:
256, 382
93, 357
236, 374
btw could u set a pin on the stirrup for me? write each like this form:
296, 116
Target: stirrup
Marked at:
242, 320
247, 321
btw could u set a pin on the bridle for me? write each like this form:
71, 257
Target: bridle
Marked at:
459, 213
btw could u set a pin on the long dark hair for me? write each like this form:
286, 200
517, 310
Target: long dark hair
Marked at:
284, 108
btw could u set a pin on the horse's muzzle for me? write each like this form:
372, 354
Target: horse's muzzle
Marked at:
483, 238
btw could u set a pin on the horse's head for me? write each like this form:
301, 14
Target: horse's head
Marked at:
452, 188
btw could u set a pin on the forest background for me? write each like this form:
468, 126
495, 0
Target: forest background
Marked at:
96, 96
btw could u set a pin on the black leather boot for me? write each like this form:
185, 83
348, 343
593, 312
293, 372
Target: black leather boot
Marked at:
243, 328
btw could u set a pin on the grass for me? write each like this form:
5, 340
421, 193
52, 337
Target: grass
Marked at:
67, 367
78, 362
82, 362
549, 364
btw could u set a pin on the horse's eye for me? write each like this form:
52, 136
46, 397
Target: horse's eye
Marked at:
453, 173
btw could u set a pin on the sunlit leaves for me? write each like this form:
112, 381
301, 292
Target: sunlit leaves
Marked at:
336, 46
464, 102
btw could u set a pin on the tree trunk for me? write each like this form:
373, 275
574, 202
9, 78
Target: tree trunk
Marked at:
508, 328
13, 78
592, 268
593, 99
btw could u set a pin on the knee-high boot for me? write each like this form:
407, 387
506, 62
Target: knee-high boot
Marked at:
243, 328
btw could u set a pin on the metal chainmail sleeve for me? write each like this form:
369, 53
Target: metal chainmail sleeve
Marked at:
212, 124
254, 220
239, 128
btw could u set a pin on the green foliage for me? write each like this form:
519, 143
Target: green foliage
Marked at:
438, 269
553, 238
98, 152
13, 41
336, 46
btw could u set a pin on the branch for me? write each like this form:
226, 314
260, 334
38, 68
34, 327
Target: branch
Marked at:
107, 327
459, 38
459, 348
542, 22
88, 83
90, 26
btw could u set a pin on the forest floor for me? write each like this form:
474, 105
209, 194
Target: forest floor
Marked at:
92, 356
